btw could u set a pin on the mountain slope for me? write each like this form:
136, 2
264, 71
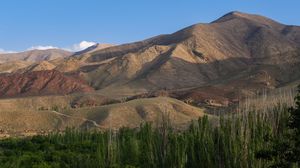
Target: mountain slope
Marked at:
39, 66
229, 49
40, 83
13, 66
25, 119
93, 48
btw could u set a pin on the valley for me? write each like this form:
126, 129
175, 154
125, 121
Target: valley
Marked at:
149, 84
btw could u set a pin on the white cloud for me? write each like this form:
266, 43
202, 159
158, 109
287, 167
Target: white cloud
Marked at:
2, 51
42, 47
81, 46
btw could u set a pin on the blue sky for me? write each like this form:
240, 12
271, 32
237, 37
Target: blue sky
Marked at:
63, 23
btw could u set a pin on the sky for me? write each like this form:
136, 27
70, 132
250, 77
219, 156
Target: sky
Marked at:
76, 24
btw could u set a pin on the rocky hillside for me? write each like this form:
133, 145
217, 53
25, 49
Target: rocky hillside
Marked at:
40, 83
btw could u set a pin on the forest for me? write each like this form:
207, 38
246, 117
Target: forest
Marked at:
248, 139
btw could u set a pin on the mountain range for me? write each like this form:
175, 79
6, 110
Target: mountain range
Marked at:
35, 55
212, 64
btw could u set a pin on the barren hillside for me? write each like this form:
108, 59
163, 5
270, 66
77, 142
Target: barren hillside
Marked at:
131, 114
40, 83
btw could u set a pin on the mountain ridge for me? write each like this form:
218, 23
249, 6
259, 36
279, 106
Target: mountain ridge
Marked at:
35, 55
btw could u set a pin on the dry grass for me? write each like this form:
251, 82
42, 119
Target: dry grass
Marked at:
267, 100
23, 114
35, 103
135, 112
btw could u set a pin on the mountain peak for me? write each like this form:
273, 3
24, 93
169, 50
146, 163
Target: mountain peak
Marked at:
236, 15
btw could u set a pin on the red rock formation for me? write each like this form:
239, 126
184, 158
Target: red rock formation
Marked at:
40, 83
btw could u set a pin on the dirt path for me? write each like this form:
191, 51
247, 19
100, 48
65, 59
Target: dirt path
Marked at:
84, 119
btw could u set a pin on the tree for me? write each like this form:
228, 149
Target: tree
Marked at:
284, 150
294, 125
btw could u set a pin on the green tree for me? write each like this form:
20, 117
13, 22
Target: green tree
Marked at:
284, 149
294, 125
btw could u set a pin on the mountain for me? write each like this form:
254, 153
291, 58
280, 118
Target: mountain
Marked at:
238, 50
35, 55
40, 83
77, 60
213, 66
240, 53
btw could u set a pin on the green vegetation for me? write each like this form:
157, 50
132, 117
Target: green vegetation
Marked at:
242, 140
284, 149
